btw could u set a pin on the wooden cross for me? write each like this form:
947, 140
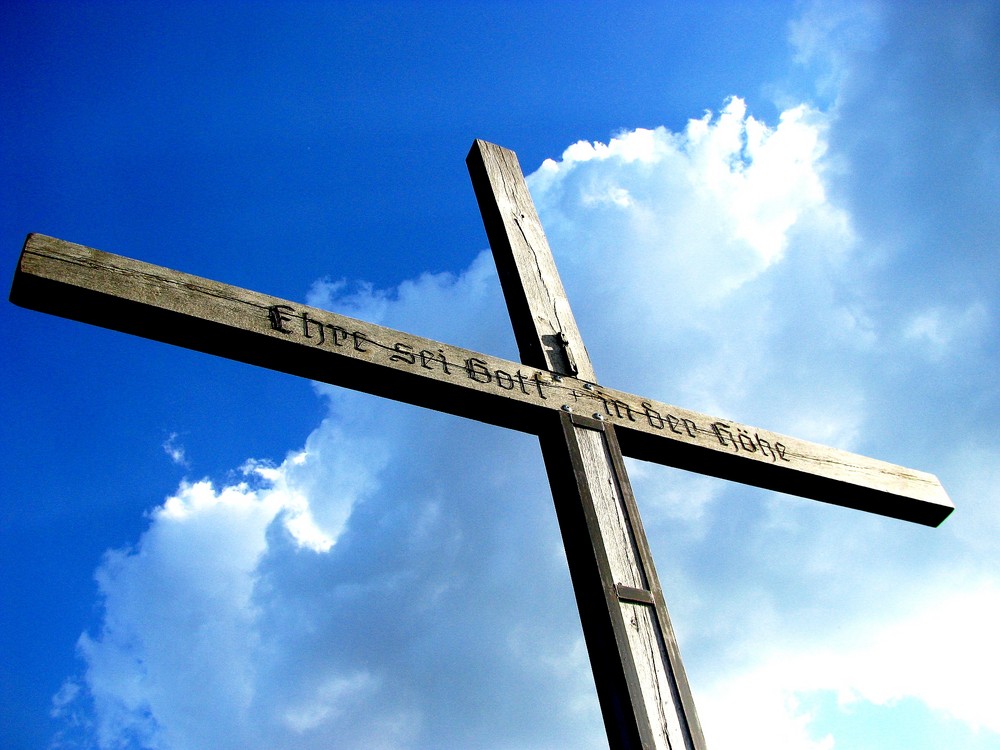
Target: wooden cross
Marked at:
584, 428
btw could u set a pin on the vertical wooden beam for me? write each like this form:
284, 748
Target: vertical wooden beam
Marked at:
641, 684
546, 331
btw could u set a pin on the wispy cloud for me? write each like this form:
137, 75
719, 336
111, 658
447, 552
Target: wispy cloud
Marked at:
176, 451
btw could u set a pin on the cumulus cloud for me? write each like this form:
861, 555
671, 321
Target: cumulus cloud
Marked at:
711, 207
406, 566
382, 568
881, 662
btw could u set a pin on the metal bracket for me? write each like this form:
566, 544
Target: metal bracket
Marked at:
570, 361
634, 595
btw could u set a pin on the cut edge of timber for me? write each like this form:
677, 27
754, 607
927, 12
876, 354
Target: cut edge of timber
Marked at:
119, 293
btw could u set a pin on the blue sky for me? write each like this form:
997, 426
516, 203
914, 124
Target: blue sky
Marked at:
783, 213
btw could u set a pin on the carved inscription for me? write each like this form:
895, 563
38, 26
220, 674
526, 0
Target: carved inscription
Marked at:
285, 319
742, 440
480, 371
535, 385
63, 279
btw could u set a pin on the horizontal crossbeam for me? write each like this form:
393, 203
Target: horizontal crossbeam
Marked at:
119, 293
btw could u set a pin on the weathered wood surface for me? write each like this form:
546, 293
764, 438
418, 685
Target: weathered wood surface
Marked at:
644, 693
634, 597
544, 324
115, 292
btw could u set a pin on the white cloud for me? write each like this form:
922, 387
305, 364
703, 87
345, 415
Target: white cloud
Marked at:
328, 585
407, 566
712, 206
330, 699
175, 451
931, 650
937, 329
180, 618
698, 249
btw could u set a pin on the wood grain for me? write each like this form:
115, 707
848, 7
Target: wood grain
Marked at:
616, 532
112, 291
585, 428
653, 668
644, 694
531, 283
660, 694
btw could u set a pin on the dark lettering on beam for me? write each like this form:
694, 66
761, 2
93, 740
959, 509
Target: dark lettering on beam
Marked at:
139, 298
735, 438
584, 429
479, 370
